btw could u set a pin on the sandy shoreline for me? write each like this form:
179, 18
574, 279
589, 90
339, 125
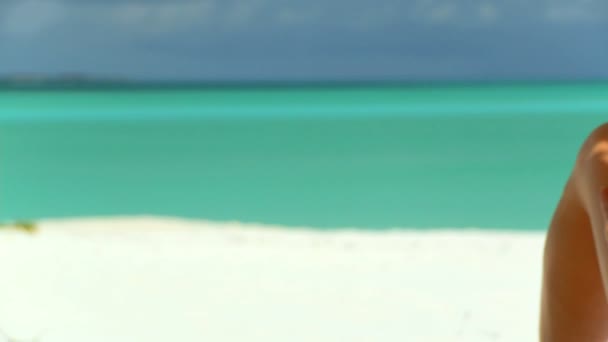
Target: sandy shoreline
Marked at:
156, 279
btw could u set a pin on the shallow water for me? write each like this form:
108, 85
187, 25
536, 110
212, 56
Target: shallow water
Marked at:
428, 157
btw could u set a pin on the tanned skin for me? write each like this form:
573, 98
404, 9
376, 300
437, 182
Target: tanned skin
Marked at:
575, 271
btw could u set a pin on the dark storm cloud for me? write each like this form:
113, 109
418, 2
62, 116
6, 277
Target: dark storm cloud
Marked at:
274, 39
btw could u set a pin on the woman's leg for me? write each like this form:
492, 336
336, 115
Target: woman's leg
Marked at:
574, 306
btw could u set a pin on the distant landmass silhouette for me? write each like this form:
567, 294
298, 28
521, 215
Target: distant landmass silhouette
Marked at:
35, 80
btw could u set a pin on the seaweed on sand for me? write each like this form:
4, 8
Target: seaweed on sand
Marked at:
24, 226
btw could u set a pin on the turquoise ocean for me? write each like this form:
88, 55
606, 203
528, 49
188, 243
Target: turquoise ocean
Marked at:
371, 157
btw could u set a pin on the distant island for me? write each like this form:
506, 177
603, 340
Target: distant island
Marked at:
76, 80
82, 81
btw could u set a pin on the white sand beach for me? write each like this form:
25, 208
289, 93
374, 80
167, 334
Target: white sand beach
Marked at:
158, 279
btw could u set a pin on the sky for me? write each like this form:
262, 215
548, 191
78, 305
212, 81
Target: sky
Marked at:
209, 40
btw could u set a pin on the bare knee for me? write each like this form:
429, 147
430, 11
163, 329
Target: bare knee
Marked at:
592, 164
598, 136
595, 147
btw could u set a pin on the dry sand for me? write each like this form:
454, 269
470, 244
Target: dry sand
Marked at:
156, 279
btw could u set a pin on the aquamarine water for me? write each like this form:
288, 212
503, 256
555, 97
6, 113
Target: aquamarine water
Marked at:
490, 156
